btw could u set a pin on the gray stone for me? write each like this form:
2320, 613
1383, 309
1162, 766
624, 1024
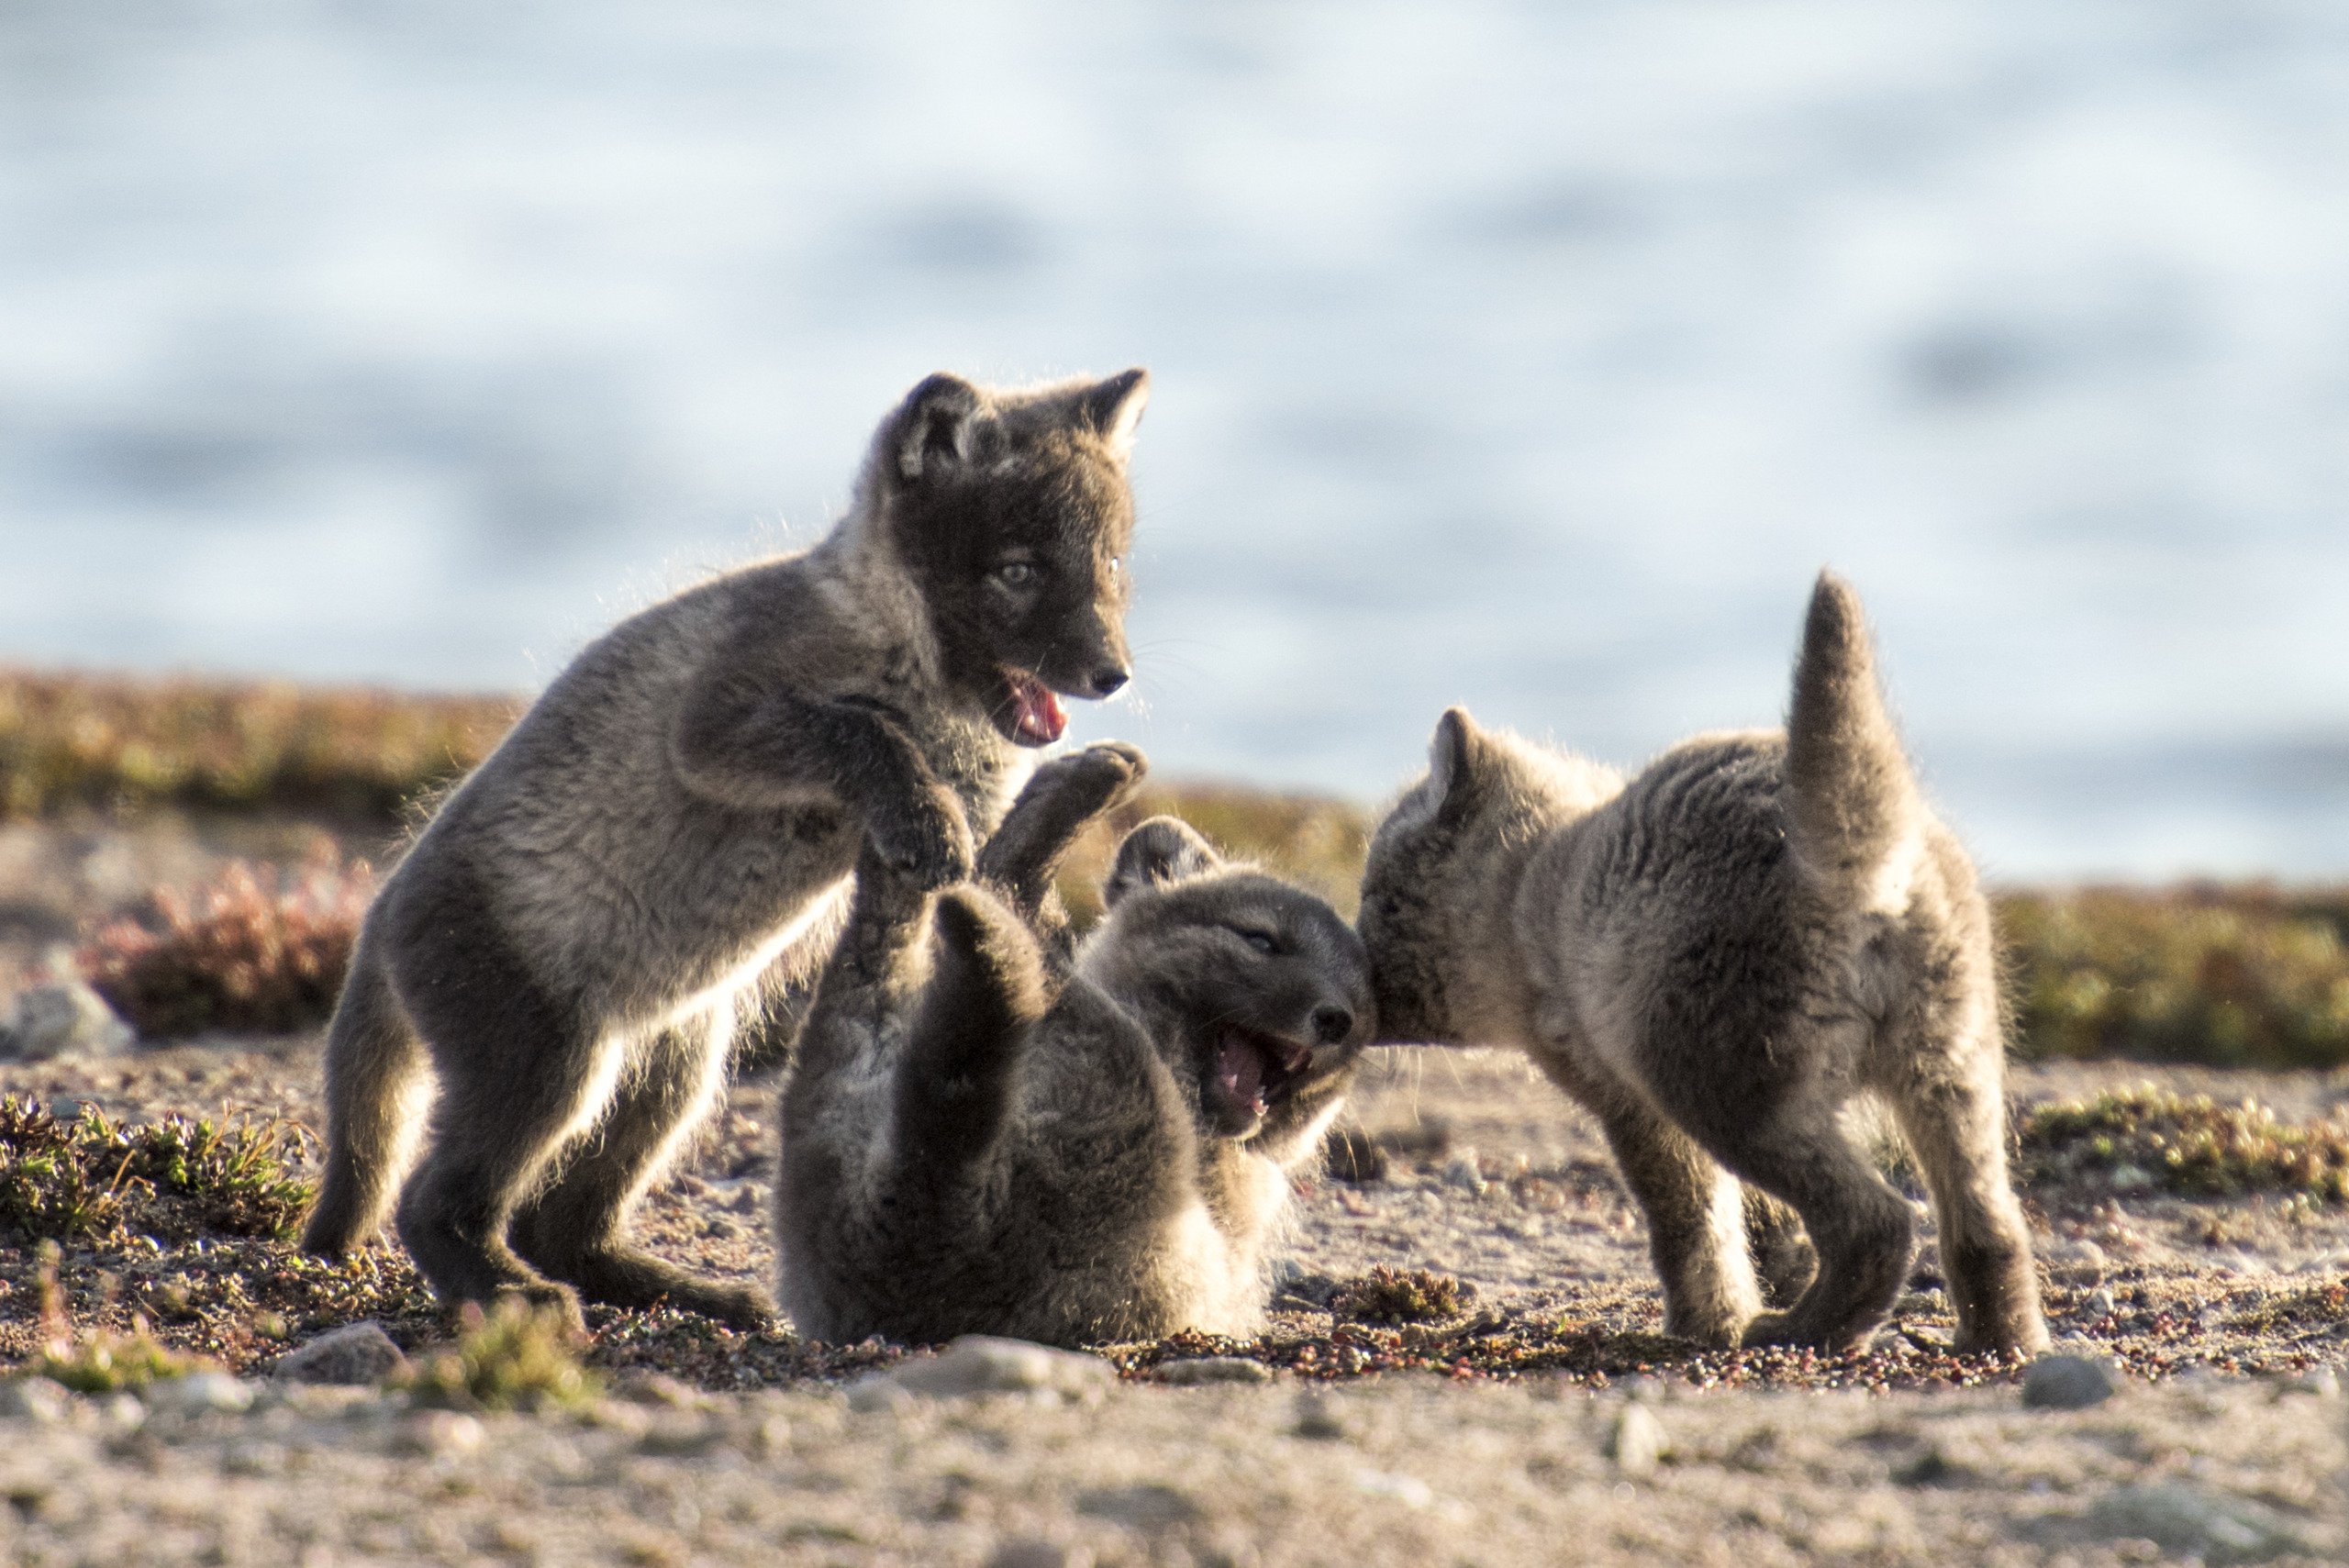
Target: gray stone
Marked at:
64, 1019
1638, 1440
354, 1354
34, 1399
2099, 1305
2082, 1262
981, 1364
1320, 1418
878, 1393
201, 1393
1465, 1174
2191, 1522
2066, 1383
1213, 1369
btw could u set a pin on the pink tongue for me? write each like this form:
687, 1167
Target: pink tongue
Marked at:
1240, 1072
1041, 713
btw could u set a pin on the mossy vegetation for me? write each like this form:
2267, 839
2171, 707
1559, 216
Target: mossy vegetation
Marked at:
516, 1357
2149, 1137
257, 950
87, 1179
2228, 977
1400, 1295
118, 744
101, 1361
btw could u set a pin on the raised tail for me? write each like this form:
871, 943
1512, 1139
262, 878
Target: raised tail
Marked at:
1854, 814
374, 1070
987, 990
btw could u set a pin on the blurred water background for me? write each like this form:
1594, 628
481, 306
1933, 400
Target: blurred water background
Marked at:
1526, 355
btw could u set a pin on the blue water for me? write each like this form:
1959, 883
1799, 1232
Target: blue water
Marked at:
1531, 356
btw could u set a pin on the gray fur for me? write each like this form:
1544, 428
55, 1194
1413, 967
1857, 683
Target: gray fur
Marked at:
667, 836
978, 1139
1719, 958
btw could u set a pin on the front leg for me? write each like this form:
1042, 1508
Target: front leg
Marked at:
1063, 797
744, 744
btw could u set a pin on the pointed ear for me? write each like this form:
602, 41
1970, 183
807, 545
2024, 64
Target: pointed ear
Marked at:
1114, 407
1453, 759
1162, 849
933, 428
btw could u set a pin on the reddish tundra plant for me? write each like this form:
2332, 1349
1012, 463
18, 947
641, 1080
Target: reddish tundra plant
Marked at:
257, 950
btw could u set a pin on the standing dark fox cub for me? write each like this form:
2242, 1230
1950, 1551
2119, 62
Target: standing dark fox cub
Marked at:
672, 829
985, 1134
1716, 958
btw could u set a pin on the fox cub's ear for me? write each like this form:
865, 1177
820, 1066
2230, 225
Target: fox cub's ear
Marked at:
1162, 849
936, 427
1114, 407
1452, 757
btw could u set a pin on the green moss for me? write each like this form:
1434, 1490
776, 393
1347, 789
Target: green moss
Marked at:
87, 1179
102, 1361
2148, 1137
517, 1357
1394, 1295
2246, 977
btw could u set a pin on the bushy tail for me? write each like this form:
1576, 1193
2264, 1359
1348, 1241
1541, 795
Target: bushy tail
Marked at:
374, 1069
1852, 809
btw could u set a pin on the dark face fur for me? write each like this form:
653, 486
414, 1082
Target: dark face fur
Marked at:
1267, 990
1014, 515
1405, 890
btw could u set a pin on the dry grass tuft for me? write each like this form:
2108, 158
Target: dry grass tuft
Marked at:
256, 951
2148, 1137
1314, 841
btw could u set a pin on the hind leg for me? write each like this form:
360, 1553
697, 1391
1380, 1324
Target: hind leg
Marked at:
575, 1228
1695, 1228
1783, 1254
1796, 1150
1957, 1131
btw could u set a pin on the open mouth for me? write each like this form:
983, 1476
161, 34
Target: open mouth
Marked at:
1253, 1071
1030, 714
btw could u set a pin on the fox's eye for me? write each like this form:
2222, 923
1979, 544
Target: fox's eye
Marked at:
1257, 940
1015, 573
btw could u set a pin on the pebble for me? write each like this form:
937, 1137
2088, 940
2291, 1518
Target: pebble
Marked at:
2066, 1383
2194, 1523
201, 1393
356, 1353
2080, 1261
448, 1433
68, 1019
1320, 1418
1213, 1369
1465, 1174
1638, 1440
982, 1364
34, 1399
2099, 1305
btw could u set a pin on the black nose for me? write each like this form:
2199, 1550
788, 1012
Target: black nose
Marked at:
1331, 1024
1109, 678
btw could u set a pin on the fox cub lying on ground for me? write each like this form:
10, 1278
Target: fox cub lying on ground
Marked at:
666, 837
1715, 958
987, 1133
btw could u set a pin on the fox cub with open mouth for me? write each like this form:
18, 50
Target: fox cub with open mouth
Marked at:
1716, 958
666, 838
986, 1133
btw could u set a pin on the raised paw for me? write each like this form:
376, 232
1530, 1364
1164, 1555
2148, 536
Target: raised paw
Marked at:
928, 843
1061, 798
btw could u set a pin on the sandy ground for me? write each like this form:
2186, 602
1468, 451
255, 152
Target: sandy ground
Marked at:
1488, 1437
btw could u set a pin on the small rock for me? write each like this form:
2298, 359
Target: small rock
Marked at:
1465, 1174
356, 1353
878, 1393
2191, 1522
2098, 1305
2066, 1383
66, 1019
1213, 1369
1319, 1419
981, 1364
1638, 1440
34, 1399
2082, 1262
448, 1433
125, 1412
1029, 1552
200, 1392
2321, 1382
1932, 1468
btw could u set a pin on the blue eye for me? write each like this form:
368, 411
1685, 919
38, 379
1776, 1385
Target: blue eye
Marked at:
1015, 573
